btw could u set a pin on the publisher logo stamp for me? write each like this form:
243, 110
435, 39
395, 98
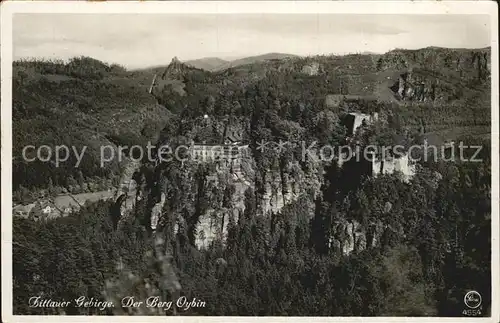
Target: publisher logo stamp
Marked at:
472, 299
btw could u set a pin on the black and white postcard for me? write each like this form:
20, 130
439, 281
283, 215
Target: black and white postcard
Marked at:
248, 161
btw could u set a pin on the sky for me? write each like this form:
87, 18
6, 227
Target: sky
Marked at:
137, 41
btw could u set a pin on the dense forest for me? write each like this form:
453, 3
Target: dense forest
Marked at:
82, 103
426, 241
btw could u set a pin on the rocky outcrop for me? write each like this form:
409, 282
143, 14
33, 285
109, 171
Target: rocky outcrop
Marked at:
351, 236
311, 69
354, 120
418, 87
425, 86
174, 69
220, 197
473, 63
436, 74
281, 188
127, 186
156, 211
213, 222
223, 201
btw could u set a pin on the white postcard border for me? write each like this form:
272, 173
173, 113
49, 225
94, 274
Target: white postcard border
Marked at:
9, 8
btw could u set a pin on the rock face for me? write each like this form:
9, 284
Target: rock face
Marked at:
156, 212
219, 196
225, 192
127, 186
213, 223
414, 87
279, 189
422, 86
435, 74
349, 236
475, 63
174, 69
282, 188
355, 120
311, 69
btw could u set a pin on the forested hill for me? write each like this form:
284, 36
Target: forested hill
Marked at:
80, 103
279, 234
435, 89
87, 102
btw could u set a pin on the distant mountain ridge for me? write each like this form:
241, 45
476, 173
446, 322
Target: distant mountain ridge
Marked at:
214, 64
207, 63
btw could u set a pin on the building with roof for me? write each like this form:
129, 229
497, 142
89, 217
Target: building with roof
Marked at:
402, 164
